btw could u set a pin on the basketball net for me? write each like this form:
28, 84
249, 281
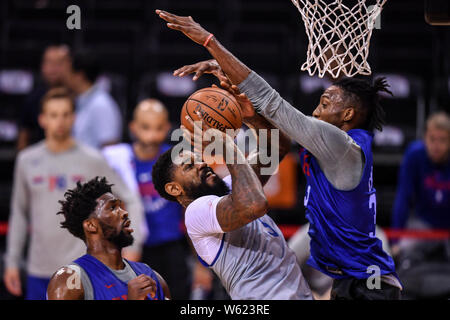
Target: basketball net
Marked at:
339, 35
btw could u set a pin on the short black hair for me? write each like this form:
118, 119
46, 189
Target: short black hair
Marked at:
80, 202
162, 173
86, 61
368, 97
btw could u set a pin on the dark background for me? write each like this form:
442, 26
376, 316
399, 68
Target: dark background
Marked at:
135, 47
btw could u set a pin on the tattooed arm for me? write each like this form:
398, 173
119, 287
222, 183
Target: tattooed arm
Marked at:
247, 201
256, 122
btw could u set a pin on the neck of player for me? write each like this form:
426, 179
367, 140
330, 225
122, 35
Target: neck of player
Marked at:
184, 201
108, 253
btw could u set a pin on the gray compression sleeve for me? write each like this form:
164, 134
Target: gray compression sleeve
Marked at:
332, 147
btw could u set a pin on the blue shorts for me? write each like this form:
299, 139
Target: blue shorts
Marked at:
36, 288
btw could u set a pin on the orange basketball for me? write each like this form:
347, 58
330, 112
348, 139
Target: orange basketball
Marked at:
217, 108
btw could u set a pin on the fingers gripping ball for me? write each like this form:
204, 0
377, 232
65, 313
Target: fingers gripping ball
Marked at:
215, 107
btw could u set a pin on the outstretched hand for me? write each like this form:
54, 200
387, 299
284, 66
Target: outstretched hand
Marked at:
187, 25
247, 109
212, 67
202, 134
208, 66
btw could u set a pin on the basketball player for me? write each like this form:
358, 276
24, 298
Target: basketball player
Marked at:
96, 216
165, 247
42, 174
337, 161
230, 231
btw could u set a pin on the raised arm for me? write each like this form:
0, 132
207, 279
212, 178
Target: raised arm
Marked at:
247, 201
331, 146
280, 147
277, 143
231, 66
277, 146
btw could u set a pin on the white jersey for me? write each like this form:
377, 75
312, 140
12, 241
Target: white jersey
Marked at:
253, 262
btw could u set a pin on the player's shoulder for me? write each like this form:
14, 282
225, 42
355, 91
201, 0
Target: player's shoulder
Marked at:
67, 270
360, 136
201, 203
30, 152
66, 284
198, 207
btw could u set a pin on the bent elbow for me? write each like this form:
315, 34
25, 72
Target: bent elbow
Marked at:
260, 207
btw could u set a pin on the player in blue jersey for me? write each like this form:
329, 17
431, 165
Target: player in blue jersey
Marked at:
424, 179
93, 214
340, 197
165, 247
226, 219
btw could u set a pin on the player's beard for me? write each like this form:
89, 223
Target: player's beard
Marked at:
120, 240
219, 188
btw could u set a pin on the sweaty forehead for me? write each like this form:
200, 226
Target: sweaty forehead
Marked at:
105, 198
334, 93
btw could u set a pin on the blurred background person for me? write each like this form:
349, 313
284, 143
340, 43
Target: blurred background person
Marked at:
55, 67
424, 179
424, 189
43, 173
99, 120
165, 248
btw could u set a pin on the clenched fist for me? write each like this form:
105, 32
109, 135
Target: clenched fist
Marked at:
140, 287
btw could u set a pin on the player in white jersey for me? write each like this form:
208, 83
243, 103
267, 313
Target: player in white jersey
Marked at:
230, 229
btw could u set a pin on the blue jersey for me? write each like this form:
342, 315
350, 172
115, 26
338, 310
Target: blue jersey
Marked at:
164, 218
107, 286
342, 223
425, 185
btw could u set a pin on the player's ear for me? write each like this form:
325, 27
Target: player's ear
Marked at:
173, 188
349, 114
90, 225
